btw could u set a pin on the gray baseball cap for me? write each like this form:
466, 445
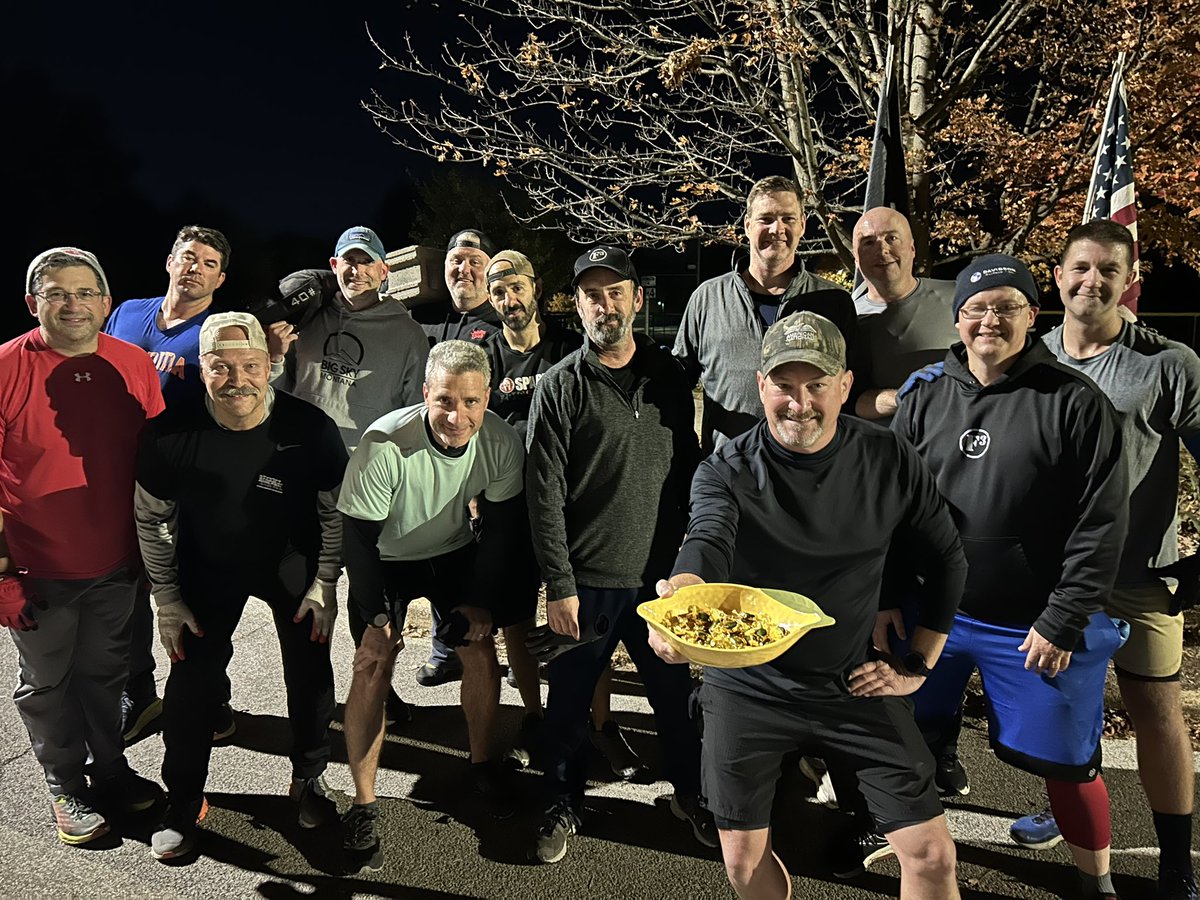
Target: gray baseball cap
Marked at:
804, 337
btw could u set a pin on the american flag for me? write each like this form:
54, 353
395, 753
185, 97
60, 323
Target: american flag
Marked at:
1111, 193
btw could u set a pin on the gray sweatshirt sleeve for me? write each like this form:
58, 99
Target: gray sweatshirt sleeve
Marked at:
157, 524
329, 562
687, 340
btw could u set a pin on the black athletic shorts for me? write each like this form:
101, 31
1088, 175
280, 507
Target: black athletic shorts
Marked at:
450, 580
746, 738
513, 591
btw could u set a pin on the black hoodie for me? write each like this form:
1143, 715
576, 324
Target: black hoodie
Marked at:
1030, 467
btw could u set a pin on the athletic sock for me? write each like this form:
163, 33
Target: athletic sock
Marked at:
1174, 832
1097, 885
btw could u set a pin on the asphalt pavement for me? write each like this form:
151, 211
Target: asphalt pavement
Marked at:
441, 844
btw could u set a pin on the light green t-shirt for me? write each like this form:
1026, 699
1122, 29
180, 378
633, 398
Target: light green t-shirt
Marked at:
396, 476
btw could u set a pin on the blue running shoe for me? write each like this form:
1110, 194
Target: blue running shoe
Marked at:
1036, 832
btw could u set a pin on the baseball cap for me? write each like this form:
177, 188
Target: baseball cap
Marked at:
82, 255
254, 340
509, 262
471, 237
362, 238
804, 337
993, 271
605, 256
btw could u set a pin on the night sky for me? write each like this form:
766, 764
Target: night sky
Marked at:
127, 121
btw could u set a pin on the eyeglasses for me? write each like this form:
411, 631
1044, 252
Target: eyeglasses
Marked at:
1004, 310
61, 296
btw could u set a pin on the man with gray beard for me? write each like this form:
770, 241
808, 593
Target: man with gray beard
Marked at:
612, 450
236, 497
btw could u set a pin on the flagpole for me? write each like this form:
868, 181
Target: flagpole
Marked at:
881, 114
1117, 74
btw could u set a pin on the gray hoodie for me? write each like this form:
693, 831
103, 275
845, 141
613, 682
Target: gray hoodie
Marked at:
356, 365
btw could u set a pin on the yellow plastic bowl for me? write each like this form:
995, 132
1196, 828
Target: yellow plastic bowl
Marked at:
794, 612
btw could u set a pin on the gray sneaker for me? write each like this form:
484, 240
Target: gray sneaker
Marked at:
177, 835
75, 819
560, 823
361, 849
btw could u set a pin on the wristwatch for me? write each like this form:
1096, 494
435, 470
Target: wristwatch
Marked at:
382, 620
914, 663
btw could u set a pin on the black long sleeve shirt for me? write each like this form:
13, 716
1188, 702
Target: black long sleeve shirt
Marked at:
820, 524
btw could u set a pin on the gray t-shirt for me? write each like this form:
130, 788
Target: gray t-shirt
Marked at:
1154, 383
899, 338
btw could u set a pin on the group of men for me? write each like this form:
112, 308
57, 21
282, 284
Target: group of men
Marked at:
426, 451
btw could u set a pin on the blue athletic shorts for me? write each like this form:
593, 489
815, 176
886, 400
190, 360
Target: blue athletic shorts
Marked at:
1050, 727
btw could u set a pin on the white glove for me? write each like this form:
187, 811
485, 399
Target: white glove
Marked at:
172, 617
321, 600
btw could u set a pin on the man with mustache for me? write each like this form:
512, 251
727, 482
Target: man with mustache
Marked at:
1027, 453
810, 501
361, 357
168, 328
726, 317
612, 449
72, 404
236, 497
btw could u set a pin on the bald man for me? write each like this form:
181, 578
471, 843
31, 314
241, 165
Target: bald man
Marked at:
904, 321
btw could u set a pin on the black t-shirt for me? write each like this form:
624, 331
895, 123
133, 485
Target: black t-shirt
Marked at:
767, 306
515, 375
245, 499
442, 322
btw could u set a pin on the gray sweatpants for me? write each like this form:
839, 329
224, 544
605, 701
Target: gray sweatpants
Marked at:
73, 669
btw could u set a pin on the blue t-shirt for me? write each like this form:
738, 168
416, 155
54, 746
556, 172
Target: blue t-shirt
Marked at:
174, 352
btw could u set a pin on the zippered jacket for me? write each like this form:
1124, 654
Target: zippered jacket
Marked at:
608, 472
720, 342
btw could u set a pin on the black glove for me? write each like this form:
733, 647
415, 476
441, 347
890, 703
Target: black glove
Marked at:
546, 644
453, 630
297, 300
1187, 572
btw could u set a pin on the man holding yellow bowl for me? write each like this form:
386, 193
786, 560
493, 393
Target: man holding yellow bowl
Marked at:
810, 501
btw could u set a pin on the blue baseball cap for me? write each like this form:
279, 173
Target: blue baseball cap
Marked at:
362, 238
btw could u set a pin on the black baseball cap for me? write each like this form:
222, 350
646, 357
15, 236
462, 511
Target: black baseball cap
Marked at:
605, 256
471, 237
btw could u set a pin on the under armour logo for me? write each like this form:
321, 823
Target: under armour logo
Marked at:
82, 376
